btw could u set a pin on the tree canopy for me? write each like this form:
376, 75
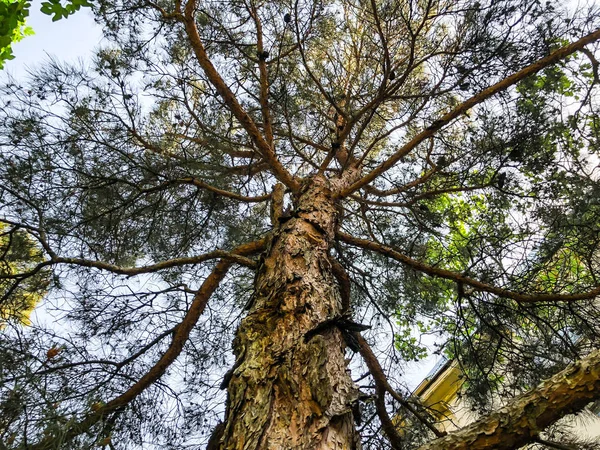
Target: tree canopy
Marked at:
252, 216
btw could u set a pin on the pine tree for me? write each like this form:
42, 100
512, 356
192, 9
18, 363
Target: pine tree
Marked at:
313, 185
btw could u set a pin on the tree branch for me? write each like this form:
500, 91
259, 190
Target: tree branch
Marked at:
232, 257
462, 279
180, 337
552, 444
553, 58
216, 254
520, 421
201, 184
383, 386
232, 103
397, 190
264, 77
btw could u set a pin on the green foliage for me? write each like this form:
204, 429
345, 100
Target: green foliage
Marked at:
19, 255
57, 10
409, 347
137, 160
13, 15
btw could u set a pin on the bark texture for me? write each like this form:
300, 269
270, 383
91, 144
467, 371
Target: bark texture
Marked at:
287, 392
520, 422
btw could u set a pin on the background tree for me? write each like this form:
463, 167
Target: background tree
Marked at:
13, 17
19, 255
12, 26
281, 178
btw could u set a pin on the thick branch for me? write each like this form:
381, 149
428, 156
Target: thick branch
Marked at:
520, 422
230, 100
130, 271
180, 337
216, 254
277, 203
394, 438
264, 78
553, 58
462, 279
201, 184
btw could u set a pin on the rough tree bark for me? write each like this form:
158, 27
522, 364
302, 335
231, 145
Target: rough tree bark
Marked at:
287, 391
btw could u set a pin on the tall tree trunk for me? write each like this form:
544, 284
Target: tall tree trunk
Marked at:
286, 391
